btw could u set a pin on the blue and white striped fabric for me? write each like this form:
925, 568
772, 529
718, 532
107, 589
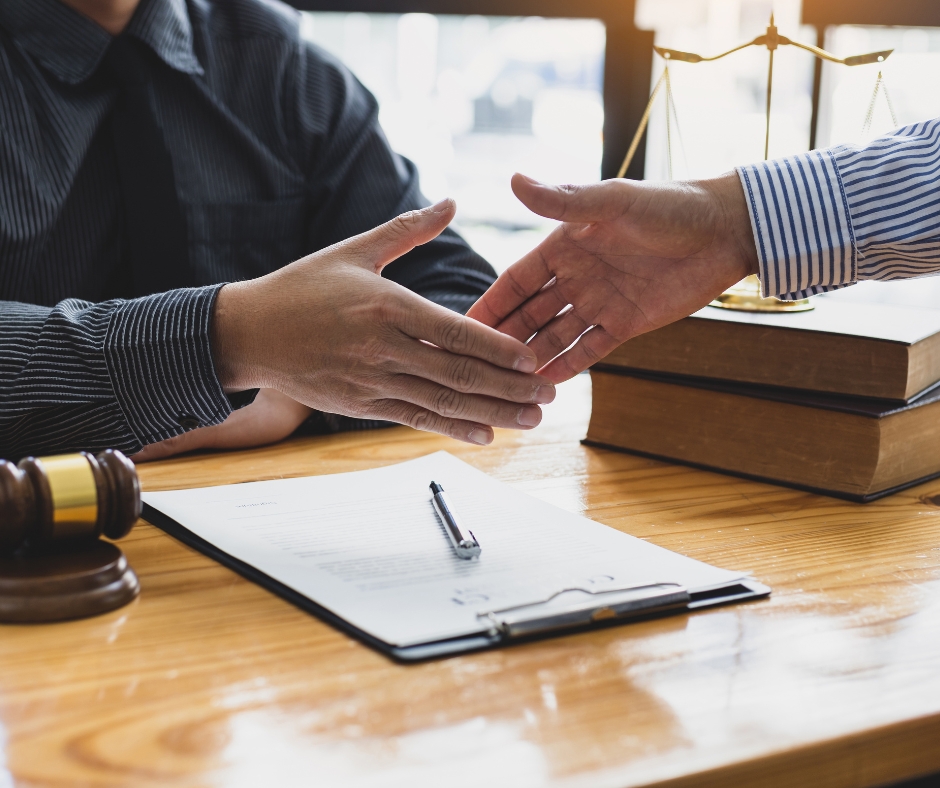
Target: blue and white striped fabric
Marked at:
276, 151
830, 218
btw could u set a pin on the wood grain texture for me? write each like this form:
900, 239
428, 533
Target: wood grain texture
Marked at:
208, 680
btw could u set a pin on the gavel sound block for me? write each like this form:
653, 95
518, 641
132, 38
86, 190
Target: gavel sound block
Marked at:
53, 566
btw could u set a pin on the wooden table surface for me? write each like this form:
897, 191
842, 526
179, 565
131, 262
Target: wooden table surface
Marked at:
208, 680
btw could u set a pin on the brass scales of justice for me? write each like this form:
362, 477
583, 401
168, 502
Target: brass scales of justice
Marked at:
746, 295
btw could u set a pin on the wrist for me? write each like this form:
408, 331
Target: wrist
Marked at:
735, 219
231, 340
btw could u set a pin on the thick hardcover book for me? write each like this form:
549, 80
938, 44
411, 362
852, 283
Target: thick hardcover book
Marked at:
883, 351
854, 448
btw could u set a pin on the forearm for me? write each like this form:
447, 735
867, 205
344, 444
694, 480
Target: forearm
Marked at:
827, 219
120, 374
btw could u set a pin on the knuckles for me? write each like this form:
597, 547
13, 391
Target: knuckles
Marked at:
447, 402
418, 418
403, 225
464, 374
423, 420
455, 335
373, 348
386, 311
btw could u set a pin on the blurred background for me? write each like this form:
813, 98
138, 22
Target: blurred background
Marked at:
720, 105
472, 99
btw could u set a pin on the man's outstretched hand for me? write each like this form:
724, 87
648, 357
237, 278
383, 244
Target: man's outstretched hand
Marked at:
629, 257
331, 334
328, 333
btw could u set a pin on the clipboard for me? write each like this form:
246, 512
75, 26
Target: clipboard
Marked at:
568, 610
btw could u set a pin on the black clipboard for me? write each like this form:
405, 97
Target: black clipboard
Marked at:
509, 626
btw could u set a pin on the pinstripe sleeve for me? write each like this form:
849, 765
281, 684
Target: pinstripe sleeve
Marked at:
827, 219
119, 374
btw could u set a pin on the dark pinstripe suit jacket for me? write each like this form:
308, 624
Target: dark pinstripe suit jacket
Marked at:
276, 153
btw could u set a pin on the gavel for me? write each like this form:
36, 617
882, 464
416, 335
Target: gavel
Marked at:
53, 566
60, 503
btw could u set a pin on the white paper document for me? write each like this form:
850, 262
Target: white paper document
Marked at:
369, 547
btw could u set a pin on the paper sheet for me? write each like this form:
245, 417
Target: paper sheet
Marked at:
369, 547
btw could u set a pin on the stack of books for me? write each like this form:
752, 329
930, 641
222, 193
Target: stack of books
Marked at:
843, 400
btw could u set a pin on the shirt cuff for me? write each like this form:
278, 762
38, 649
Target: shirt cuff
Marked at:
802, 225
158, 353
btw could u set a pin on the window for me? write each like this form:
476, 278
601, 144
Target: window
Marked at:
720, 106
473, 99
910, 75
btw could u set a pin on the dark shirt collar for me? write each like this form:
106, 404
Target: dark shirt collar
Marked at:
70, 45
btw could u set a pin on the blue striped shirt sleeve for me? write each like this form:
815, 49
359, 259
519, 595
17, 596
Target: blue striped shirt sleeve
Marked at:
116, 374
830, 218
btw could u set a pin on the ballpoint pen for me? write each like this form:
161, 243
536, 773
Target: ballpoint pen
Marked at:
464, 542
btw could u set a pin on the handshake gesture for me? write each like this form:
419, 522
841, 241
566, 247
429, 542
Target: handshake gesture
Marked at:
628, 257
327, 332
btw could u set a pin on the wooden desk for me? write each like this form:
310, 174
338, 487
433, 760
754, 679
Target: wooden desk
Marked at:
207, 680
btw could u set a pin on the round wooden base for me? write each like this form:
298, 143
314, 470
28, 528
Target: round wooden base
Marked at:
61, 586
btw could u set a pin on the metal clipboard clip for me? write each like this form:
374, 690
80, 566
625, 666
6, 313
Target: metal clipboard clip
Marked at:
575, 607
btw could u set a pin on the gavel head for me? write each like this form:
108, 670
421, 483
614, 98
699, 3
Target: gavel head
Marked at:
48, 502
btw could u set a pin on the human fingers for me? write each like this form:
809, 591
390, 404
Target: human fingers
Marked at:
376, 248
516, 285
422, 319
474, 408
558, 335
590, 348
596, 202
422, 419
534, 314
468, 375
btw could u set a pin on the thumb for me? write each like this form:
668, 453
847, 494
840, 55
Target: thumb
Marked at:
597, 202
375, 249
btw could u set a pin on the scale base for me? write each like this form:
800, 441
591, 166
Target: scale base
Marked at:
61, 586
745, 297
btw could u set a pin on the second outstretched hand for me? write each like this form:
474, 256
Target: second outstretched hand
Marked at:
330, 333
629, 257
